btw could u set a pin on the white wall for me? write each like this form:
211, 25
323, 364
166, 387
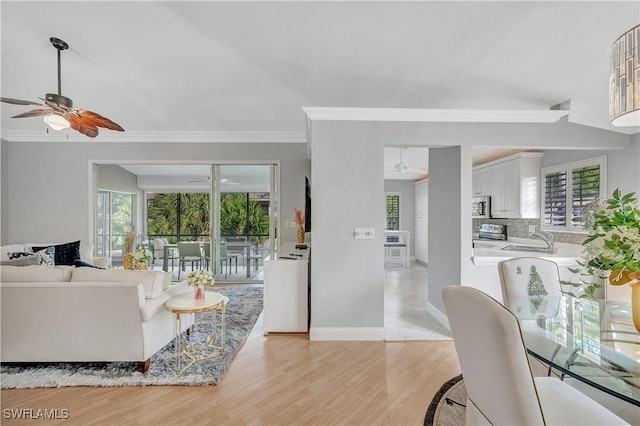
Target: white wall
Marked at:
48, 183
406, 188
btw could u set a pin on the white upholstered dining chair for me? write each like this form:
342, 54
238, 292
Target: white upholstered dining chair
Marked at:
500, 386
515, 277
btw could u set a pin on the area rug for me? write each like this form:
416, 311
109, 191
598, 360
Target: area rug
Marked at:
448, 405
244, 308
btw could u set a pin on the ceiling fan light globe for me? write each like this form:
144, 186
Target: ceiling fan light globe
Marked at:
56, 122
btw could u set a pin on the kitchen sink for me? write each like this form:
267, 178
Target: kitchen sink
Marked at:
522, 247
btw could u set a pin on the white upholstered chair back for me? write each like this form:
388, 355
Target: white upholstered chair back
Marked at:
493, 359
517, 273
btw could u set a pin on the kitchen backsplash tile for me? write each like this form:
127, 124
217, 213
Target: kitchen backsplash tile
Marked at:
519, 228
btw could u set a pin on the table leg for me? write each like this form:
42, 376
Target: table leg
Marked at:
165, 267
246, 261
178, 340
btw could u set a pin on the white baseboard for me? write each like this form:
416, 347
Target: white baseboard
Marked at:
440, 316
347, 333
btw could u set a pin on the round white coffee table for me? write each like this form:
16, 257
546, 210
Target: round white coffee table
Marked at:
187, 304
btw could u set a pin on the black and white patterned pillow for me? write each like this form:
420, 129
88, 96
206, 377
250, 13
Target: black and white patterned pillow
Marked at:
65, 254
46, 256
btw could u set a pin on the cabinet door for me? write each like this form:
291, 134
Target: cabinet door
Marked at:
512, 189
421, 238
482, 181
498, 186
422, 198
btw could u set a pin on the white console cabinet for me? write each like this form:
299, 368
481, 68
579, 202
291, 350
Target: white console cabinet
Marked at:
286, 290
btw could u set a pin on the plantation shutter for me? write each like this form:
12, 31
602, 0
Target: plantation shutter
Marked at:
393, 212
555, 198
586, 187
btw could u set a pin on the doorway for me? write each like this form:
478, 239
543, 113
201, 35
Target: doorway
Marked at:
203, 204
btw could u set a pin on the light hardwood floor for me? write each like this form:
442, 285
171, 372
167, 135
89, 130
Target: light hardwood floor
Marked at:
274, 380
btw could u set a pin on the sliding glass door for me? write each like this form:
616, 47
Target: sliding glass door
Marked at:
243, 204
115, 216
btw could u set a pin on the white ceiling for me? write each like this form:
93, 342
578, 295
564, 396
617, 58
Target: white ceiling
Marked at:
216, 70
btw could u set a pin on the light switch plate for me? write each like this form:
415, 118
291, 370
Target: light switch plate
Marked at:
532, 229
363, 233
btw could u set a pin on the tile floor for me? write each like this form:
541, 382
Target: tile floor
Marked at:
405, 306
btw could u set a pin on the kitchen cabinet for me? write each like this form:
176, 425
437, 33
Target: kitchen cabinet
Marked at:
515, 186
286, 290
421, 220
481, 181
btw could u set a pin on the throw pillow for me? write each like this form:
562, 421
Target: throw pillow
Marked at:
22, 261
83, 264
45, 256
66, 254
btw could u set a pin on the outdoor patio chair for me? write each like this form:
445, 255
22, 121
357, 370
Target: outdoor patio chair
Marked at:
189, 251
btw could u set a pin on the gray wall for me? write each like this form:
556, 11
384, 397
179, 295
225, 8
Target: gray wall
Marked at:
4, 190
347, 188
622, 164
111, 177
445, 215
49, 188
406, 188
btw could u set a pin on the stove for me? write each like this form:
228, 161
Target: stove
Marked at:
492, 232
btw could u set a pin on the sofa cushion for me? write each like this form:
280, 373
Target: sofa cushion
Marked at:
151, 281
35, 273
66, 254
83, 264
152, 307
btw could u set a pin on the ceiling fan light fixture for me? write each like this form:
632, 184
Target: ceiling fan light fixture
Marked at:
56, 122
624, 80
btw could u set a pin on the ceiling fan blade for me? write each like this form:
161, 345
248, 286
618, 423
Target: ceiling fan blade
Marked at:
34, 113
19, 102
97, 120
77, 123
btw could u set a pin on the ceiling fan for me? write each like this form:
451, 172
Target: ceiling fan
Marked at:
205, 179
59, 112
402, 167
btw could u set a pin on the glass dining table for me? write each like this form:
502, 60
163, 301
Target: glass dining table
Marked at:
593, 341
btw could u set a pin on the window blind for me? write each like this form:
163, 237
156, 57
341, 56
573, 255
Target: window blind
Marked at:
393, 215
555, 199
586, 187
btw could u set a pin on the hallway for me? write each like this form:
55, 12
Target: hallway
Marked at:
405, 306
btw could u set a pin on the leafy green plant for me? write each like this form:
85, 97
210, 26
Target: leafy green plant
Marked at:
613, 245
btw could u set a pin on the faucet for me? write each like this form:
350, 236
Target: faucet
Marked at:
547, 237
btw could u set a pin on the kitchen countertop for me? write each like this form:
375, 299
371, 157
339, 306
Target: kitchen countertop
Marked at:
490, 253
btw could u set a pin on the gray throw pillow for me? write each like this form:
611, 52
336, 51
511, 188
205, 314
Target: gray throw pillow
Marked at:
32, 259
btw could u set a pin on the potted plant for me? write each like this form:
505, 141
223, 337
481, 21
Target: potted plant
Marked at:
141, 257
198, 280
612, 249
129, 240
299, 219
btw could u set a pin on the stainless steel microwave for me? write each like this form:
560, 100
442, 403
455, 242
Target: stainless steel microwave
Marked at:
481, 207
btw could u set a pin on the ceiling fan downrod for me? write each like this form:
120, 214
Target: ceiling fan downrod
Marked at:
52, 97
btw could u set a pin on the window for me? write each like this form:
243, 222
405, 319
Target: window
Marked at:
567, 189
393, 212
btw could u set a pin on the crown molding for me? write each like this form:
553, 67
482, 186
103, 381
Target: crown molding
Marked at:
433, 115
160, 136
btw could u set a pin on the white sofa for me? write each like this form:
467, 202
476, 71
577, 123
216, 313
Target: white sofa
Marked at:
64, 313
